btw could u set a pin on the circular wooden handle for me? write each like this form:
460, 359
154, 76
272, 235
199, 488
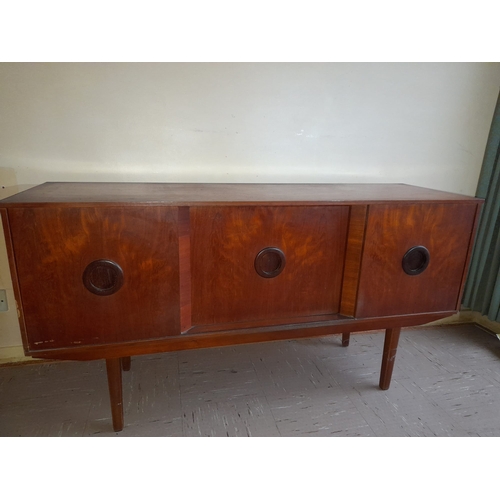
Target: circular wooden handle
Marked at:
416, 260
103, 277
270, 262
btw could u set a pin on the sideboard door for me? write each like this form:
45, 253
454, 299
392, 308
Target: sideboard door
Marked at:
414, 258
96, 275
265, 263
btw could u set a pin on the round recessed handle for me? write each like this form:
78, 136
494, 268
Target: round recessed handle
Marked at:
103, 277
270, 262
416, 260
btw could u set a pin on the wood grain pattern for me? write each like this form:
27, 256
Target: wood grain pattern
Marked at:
346, 337
53, 247
354, 252
126, 363
114, 371
116, 193
185, 268
191, 278
238, 336
389, 357
469, 255
385, 289
225, 242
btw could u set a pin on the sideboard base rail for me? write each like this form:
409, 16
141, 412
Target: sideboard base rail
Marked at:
236, 337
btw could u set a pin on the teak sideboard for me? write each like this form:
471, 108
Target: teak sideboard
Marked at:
113, 270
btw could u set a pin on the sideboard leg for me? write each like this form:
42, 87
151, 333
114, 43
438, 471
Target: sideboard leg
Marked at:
125, 363
114, 369
389, 356
345, 338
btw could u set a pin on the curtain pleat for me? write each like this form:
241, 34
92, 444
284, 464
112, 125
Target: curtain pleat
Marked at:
482, 288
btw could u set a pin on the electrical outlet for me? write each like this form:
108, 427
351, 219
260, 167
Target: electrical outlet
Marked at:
3, 301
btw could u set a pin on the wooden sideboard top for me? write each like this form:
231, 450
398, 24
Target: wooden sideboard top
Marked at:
113, 193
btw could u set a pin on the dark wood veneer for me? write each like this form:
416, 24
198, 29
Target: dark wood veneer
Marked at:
114, 270
184, 268
392, 230
178, 194
54, 246
225, 242
354, 252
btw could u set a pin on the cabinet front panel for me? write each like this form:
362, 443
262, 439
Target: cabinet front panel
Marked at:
96, 275
255, 263
414, 258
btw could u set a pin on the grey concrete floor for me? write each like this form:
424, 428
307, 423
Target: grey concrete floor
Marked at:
446, 382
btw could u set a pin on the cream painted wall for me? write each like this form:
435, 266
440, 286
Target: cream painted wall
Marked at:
417, 123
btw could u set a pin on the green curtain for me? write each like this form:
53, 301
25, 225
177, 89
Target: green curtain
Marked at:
482, 288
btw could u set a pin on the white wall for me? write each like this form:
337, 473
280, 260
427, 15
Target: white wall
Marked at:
417, 123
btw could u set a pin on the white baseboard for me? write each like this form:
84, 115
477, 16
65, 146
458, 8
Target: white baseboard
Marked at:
470, 317
13, 354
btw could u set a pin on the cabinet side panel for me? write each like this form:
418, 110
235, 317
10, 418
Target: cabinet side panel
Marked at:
443, 229
469, 255
53, 249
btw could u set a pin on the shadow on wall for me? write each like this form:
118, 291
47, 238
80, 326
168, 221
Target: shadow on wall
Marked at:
8, 183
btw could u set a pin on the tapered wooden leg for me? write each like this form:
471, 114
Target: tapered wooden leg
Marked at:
125, 363
345, 338
389, 356
114, 369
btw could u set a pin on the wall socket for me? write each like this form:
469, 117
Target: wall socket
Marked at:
3, 301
